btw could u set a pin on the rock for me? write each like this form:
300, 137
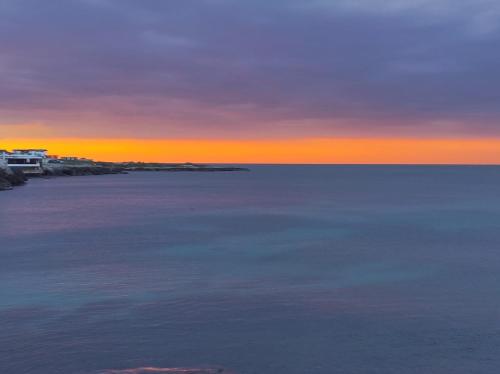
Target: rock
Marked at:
9, 178
74, 171
5, 185
17, 178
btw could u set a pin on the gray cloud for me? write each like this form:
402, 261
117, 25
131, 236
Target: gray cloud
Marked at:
228, 67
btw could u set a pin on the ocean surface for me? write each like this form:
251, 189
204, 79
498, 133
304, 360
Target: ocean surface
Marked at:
286, 269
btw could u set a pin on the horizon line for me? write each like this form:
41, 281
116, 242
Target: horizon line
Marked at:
305, 151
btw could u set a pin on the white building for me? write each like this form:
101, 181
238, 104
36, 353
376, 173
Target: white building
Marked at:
29, 161
42, 153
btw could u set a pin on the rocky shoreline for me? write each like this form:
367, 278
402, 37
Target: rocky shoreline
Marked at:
10, 178
13, 178
75, 171
184, 169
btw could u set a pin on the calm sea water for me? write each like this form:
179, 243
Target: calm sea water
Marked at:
287, 269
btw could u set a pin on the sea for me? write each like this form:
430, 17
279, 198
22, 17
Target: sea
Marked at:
281, 270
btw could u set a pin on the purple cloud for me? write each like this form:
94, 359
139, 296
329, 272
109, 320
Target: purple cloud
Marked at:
251, 68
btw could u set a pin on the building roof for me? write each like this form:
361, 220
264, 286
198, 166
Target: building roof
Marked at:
30, 150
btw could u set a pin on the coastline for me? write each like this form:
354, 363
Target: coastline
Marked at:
12, 178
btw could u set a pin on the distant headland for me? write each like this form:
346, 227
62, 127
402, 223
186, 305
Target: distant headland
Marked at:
20, 164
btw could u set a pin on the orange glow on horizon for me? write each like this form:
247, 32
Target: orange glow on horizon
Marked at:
288, 151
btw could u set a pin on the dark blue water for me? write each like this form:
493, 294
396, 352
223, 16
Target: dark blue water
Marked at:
287, 269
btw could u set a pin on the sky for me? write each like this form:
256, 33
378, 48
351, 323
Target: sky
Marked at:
393, 81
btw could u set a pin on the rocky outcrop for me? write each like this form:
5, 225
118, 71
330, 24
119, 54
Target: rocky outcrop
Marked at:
4, 183
187, 166
172, 169
9, 179
83, 170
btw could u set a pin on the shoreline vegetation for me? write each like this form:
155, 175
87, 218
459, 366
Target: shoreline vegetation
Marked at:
12, 178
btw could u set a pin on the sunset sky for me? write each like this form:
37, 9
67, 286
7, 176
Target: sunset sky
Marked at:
278, 81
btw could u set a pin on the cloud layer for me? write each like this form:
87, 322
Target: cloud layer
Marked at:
274, 68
